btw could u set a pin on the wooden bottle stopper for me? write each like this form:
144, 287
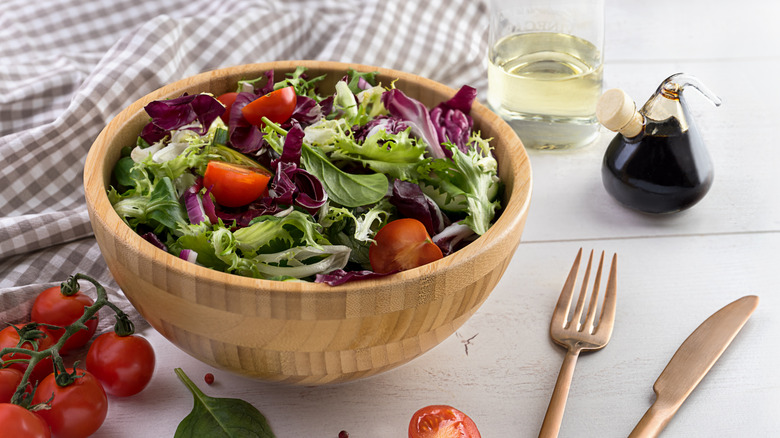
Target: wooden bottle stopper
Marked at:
617, 112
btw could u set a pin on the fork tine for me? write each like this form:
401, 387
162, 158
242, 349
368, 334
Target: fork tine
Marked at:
564, 300
576, 317
594, 296
610, 300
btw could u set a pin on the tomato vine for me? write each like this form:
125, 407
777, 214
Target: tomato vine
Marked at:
34, 331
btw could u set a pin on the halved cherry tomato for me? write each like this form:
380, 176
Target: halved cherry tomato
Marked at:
10, 378
441, 421
234, 185
402, 244
53, 307
227, 99
19, 422
77, 410
9, 337
124, 365
277, 105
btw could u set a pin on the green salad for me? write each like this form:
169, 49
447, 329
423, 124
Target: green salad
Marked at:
276, 181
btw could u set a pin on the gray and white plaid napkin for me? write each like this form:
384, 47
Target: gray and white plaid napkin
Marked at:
68, 66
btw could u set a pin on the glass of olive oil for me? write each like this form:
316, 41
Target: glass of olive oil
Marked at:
545, 69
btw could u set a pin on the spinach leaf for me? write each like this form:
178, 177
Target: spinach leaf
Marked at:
347, 189
164, 206
220, 417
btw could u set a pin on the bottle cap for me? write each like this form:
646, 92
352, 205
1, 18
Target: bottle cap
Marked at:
617, 112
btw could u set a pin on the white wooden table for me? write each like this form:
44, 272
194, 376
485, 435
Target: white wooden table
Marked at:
674, 271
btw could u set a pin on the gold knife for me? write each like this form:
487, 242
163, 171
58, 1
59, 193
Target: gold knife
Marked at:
691, 362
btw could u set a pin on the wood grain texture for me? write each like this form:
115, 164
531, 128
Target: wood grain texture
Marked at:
305, 333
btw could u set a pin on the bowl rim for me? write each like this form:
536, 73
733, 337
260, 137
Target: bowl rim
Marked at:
511, 219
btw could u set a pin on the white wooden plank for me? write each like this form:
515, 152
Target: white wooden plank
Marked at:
667, 287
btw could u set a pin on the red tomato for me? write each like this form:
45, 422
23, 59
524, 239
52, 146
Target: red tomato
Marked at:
402, 244
277, 105
52, 307
440, 421
18, 422
10, 378
9, 337
234, 185
77, 410
227, 99
123, 364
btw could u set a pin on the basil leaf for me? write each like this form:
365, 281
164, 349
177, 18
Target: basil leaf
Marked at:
220, 417
347, 189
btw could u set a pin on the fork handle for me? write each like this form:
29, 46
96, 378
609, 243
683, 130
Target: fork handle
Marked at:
554, 415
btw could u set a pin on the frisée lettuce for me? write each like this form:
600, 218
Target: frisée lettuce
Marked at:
342, 166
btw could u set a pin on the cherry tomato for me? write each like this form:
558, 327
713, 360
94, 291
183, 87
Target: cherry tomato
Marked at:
53, 307
277, 105
234, 185
402, 244
227, 99
9, 337
440, 421
10, 378
77, 410
123, 364
18, 422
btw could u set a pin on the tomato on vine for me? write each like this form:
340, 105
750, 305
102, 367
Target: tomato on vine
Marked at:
19, 422
78, 409
9, 338
54, 307
124, 365
10, 378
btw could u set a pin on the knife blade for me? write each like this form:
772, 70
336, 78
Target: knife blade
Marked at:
691, 363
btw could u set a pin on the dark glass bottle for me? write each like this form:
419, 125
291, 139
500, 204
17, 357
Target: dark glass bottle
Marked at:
657, 163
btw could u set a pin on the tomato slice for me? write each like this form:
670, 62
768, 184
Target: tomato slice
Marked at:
402, 244
278, 106
227, 99
441, 421
235, 185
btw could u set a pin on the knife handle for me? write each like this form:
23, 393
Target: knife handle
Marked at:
653, 422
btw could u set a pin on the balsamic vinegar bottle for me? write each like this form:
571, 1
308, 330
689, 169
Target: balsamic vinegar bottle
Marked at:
657, 163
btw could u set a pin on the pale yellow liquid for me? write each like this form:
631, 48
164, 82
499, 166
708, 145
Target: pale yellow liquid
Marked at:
546, 86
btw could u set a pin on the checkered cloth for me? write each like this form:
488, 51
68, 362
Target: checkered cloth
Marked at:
68, 66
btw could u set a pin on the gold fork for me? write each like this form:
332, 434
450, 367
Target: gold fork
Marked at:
577, 335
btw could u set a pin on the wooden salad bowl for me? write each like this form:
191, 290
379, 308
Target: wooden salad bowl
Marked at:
296, 332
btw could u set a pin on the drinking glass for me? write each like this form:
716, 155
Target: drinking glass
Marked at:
545, 69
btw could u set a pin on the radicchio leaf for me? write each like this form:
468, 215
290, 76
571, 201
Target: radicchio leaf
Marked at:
307, 111
391, 125
340, 276
292, 184
451, 118
411, 202
416, 114
174, 113
194, 205
152, 133
154, 240
453, 237
244, 137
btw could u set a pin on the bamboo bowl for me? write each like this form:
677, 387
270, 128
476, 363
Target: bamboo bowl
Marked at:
304, 333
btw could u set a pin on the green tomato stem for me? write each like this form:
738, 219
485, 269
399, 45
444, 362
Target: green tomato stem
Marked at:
68, 288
